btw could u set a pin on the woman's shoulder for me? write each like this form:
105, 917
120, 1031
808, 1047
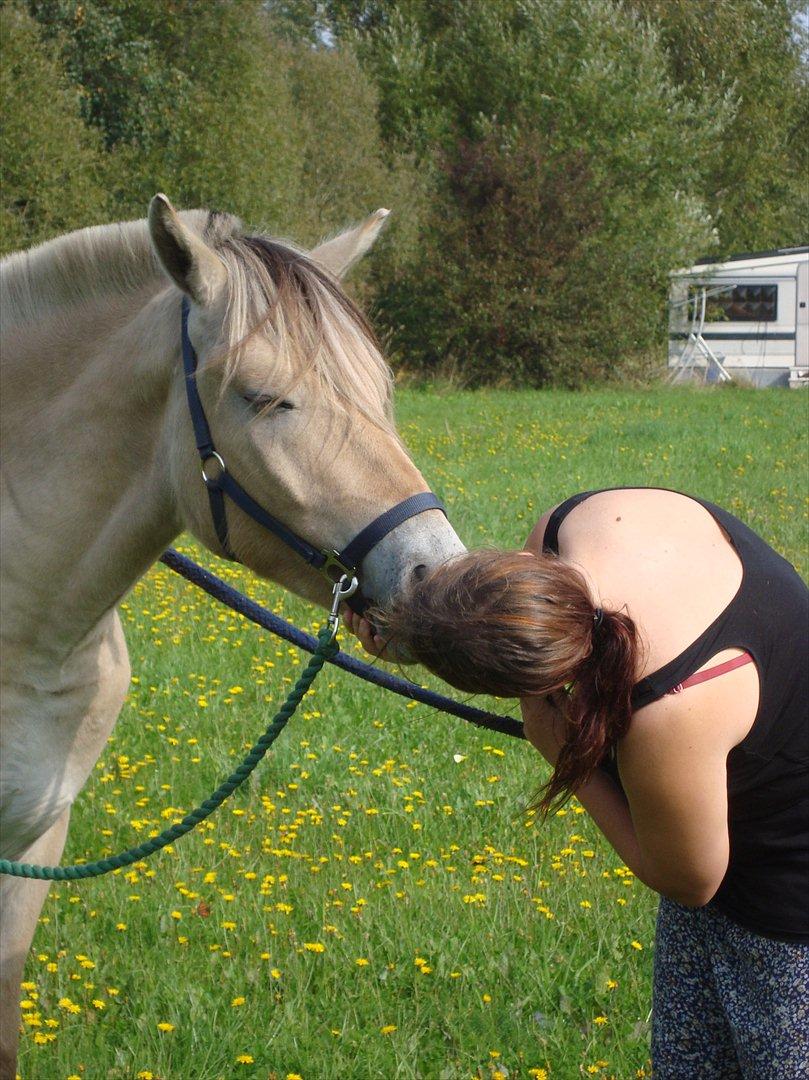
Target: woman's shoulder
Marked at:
590, 507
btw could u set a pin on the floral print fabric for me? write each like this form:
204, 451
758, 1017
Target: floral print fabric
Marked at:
728, 1004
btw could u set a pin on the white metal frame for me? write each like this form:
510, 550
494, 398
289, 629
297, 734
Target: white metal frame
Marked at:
696, 346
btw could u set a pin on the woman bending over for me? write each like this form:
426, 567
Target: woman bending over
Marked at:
659, 649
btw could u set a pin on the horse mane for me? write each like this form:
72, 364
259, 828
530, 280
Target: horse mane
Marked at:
275, 289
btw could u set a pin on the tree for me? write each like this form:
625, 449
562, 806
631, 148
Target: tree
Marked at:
189, 98
562, 197
52, 166
749, 52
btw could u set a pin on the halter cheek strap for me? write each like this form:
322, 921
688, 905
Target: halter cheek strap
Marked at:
219, 483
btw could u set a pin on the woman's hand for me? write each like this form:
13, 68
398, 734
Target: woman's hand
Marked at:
371, 641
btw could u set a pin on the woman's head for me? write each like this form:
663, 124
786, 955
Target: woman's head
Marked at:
514, 624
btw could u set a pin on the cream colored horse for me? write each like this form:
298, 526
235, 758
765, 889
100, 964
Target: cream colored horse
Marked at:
100, 473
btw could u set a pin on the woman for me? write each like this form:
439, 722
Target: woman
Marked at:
659, 650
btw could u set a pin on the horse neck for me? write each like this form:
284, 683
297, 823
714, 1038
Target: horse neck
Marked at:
88, 506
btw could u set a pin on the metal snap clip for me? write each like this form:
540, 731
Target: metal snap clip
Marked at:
343, 588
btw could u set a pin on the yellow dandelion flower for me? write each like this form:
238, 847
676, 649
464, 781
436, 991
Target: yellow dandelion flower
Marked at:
636, 945
361, 961
236, 1002
388, 1029
163, 1026
244, 1059
314, 946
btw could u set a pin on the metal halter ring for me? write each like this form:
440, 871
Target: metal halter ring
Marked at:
343, 588
213, 480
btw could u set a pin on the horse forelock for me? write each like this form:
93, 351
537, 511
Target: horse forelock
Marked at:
321, 332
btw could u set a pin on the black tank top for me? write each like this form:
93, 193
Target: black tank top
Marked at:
766, 887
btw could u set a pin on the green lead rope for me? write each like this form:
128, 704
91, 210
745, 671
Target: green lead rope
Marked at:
326, 649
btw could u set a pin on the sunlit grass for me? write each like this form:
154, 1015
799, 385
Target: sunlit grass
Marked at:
377, 902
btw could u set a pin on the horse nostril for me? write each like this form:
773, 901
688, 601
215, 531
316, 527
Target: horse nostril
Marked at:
420, 571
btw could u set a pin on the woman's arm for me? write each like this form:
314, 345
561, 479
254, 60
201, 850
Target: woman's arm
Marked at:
600, 796
672, 830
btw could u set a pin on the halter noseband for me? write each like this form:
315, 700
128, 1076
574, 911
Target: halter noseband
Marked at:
334, 565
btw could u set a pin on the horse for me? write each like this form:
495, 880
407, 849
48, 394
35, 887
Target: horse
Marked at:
100, 473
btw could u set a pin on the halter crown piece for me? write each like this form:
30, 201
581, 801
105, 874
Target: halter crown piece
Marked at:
334, 565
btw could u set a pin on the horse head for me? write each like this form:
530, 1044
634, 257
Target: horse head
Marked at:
297, 400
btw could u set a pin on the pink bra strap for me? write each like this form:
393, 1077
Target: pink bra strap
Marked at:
712, 672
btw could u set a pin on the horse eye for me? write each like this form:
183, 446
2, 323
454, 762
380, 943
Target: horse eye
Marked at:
263, 401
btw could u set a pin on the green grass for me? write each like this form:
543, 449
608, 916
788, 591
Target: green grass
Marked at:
385, 833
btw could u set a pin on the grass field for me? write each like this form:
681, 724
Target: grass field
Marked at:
377, 902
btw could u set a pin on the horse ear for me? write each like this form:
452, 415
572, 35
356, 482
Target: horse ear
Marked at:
339, 254
185, 257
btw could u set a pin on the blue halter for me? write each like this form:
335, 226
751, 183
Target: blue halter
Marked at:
332, 564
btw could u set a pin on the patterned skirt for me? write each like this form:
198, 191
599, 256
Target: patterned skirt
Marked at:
728, 1004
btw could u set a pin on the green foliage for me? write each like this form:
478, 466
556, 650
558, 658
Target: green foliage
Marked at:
548, 164
755, 178
209, 103
52, 165
562, 197
190, 98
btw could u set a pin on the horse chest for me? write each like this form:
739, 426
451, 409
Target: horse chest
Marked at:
52, 732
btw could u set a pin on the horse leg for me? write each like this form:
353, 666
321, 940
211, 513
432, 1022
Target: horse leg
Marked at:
51, 740
21, 901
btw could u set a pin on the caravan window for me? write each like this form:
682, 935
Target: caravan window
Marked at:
741, 303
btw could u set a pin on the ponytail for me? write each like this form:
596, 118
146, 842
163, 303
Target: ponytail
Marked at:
598, 707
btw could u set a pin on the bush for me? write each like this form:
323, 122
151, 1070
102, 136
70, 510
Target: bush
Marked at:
52, 165
562, 201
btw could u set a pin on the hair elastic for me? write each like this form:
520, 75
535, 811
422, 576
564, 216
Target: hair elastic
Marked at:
598, 618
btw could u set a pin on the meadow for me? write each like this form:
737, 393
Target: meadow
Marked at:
379, 901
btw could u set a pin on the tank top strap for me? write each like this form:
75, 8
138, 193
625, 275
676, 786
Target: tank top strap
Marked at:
550, 541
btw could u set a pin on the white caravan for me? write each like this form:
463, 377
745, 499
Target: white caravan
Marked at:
746, 318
